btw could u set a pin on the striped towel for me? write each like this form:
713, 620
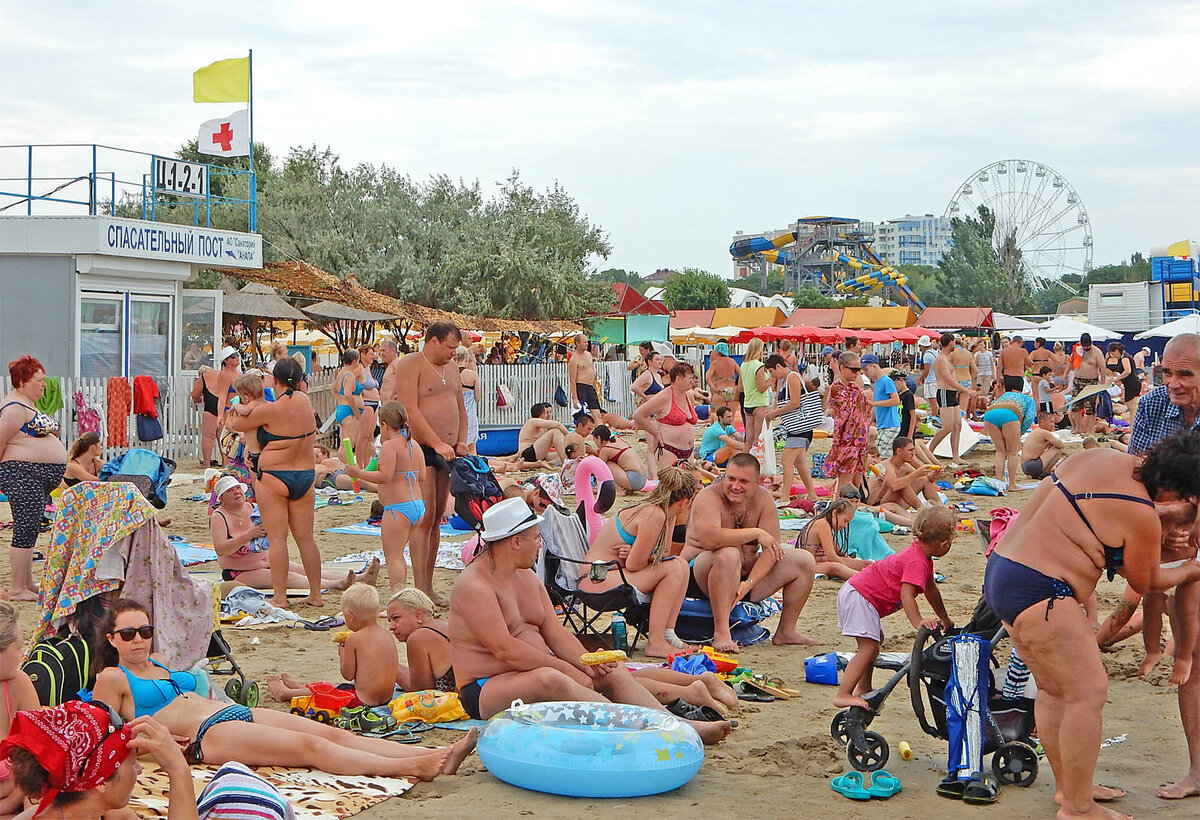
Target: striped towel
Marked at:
236, 793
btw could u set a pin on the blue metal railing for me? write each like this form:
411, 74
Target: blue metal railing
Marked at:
41, 179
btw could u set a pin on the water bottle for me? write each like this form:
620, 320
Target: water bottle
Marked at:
620, 641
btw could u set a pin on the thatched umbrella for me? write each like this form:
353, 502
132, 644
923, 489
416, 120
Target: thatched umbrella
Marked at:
346, 326
256, 302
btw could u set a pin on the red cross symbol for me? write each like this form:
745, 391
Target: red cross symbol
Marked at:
224, 137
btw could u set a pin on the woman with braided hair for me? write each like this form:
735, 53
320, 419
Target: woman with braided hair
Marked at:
639, 539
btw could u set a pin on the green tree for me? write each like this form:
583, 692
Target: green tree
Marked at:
974, 273
774, 283
695, 289
810, 297
613, 276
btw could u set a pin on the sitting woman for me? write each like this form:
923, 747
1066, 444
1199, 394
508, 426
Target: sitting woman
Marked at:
241, 544
135, 684
411, 618
627, 467
84, 461
19, 695
638, 538
819, 537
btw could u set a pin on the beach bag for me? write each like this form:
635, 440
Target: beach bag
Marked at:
560, 396
87, 418
148, 428
504, 395
474, 488
59, 669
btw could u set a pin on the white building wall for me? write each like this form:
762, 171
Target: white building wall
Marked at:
913, 240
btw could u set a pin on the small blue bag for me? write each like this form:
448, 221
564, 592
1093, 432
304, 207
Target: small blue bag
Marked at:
695, 664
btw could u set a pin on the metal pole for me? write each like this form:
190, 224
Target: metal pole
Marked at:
29, 185
253, 175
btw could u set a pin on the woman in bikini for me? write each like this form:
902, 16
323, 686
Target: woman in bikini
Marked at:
364, 445
646, 386
85, 462
396, 480
638, 538
627, 468
1047, 564
348, 387
411, 618
241, 544
671, 418
284, 490
214, 388
825, 537
134, 684
19, 695
468, 379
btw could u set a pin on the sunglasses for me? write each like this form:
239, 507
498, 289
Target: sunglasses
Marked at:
852, 369
128, 632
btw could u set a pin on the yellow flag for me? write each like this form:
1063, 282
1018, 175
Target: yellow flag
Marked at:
223, 81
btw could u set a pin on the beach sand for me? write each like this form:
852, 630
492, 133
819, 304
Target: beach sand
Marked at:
779, 761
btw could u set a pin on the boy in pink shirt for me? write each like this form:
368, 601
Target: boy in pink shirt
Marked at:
886, 586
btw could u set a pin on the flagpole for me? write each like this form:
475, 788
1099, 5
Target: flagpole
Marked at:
253, 175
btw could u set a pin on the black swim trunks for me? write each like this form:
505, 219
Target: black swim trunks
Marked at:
947, 398
468, 696
586, 393
434, 460
1014, 384
529, 454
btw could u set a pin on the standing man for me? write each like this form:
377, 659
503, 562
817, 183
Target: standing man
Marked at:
581, 373
429, 389
908, 404
1013, 362
733, 548
389, 354
886, 402
950, 394
1170, 408
722, 377
1091, 365
928, 380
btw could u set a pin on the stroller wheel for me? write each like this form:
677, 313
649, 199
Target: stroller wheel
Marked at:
249, 694
872, 756
1015, 764
838, 728
234, 690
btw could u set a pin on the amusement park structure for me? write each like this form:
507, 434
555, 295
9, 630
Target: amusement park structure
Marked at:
830, 253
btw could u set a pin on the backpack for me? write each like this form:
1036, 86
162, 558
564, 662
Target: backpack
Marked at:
474, 488
59, 669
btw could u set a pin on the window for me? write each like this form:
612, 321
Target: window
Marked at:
149, 336
199, 328
101, 319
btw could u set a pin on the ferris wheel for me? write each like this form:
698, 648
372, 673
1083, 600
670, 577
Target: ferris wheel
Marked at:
1038, 207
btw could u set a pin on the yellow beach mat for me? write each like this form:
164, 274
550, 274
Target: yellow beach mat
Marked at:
314, 795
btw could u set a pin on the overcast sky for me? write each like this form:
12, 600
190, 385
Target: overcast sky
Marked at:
672, 124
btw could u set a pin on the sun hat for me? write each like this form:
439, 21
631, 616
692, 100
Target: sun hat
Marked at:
224, 484
924, 342
870, 358
226, 352
722, 348
549, 485
507, 518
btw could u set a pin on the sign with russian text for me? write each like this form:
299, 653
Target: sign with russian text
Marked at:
178, 177
180, 243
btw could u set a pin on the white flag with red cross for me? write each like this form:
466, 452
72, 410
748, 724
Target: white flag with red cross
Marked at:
226, 136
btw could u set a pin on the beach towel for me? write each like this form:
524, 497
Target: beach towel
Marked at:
865, 541
52, 399
192, 554
695, 622
449, 556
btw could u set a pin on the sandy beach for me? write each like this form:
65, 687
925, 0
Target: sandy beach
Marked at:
779, 761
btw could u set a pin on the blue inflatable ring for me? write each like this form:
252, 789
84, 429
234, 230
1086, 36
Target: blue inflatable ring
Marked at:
581, 749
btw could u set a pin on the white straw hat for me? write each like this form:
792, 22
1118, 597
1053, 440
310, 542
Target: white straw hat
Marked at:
507, 518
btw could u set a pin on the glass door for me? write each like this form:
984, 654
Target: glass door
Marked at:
101, 335
149, 336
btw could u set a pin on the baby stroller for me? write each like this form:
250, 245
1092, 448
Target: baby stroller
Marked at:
927, 671
107, 543
145, 469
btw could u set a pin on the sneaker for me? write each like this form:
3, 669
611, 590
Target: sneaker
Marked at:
364, 720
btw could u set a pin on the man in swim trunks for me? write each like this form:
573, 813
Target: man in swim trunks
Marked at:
389, 354
540, 434
428, 387
950, 394
506, 641
1091, 365
581, 372
906, 479
1041, 449
1012, 362
734, 552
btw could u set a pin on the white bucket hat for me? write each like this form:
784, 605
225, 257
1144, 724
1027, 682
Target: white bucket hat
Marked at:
226, 352
507, 518
224, 484
924, 341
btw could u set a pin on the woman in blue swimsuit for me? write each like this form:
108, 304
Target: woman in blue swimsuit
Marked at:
135, 684
639, 540
397, 480
348, 387
1101, 512
364, 444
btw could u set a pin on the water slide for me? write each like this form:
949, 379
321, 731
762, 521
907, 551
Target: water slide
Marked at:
769, 249
877, 274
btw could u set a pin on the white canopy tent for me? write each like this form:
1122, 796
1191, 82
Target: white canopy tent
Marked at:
1066, 329
1188, 324
1003, 322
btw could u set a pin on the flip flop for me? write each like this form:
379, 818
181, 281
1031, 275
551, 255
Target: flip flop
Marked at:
323, 624
689, 711
746, 693
850, 785
884, 784
980, 790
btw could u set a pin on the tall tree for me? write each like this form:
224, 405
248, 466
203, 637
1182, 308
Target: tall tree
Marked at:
975, 272
614, 276
695, 289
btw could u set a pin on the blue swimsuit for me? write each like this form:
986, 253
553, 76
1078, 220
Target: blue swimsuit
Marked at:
413, 510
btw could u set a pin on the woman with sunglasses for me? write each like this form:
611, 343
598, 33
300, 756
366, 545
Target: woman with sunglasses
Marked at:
136, 684
851, 412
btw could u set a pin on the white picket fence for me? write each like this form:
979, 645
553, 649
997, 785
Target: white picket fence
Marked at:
533, 383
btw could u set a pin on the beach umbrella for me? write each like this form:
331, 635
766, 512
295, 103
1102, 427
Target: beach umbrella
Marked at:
1066, 329
693, 335
1188, 324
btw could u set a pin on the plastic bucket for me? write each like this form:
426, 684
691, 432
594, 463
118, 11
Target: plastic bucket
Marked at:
821, 669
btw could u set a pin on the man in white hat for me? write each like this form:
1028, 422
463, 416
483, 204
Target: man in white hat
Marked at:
925, 358
506, 641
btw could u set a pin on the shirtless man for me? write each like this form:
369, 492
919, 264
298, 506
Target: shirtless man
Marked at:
540, 433
506, 641
734, 551
722, 377
581, 373
1012, 362
906, 479
428, 387
950, 393
581, 436
1041, 449
1091, 365
389, 354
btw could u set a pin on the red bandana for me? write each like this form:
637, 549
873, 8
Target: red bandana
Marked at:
75, 743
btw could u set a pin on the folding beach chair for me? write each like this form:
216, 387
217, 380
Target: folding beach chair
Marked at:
564, 548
